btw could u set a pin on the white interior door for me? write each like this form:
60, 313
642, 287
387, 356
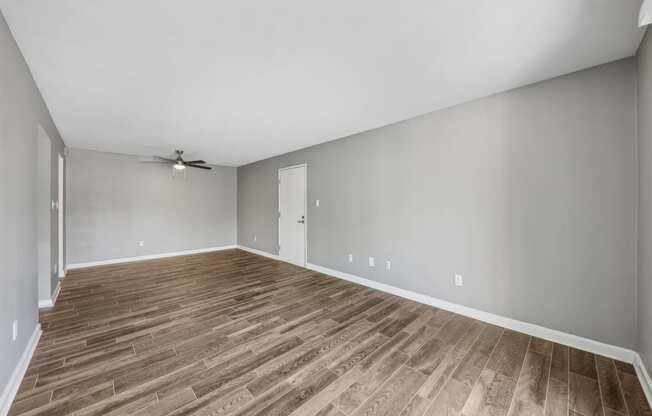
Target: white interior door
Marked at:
292, 220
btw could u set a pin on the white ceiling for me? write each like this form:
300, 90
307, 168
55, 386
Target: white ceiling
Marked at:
238, 81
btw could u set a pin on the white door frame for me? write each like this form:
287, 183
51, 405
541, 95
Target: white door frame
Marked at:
60, 206
45, 218
305, 208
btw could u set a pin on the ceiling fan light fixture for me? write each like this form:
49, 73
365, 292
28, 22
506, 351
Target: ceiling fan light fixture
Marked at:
178, 163
645, 15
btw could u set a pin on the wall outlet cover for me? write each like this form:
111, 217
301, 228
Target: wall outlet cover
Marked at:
255, 238
14, 329
372, 262
388, 265
317, 202
459, 280
141, 244
350, 258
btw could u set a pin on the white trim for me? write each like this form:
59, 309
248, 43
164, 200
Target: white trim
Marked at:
575, 341
49, 303
643, 377
60, 215
305, 212
147, 257
9, 393
269, 255
300, 165
596, 347
259, 252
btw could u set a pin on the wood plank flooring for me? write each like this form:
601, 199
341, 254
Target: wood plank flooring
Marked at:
232, 333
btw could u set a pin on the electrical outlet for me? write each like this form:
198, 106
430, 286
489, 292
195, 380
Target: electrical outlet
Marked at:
14, 329
459, 280
317, 202
350, 258
372, 262
141, 243
255, 238
388, 265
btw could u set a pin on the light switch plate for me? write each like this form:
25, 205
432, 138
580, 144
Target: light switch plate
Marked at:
350, 258
372, 262
317, 202
459, 280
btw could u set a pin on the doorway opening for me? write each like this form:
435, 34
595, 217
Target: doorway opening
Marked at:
44, 213
60, 214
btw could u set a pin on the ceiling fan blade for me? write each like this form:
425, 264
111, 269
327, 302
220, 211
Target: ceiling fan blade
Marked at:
194, 162
155, 159
197, 166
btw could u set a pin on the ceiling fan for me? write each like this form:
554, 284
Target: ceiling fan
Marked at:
178, 163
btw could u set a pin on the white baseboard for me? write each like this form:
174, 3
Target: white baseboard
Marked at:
270, 255
575, 341
146, 257
644, 377
9, 392
49, 303
596, 347
259, 252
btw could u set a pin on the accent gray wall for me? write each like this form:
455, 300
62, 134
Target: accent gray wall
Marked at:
645, 200
22, 110
529, 194
114, 201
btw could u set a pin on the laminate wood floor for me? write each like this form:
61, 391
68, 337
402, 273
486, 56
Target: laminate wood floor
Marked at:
232, 333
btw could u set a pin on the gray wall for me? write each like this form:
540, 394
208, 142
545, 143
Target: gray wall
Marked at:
21, 111
645, 200
114, 201
529, 194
